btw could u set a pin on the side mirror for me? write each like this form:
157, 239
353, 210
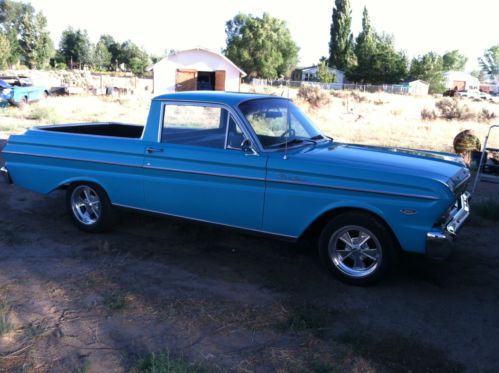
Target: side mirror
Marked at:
247, 147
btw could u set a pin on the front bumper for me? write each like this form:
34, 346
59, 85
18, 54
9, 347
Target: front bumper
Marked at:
439, 240
5, 175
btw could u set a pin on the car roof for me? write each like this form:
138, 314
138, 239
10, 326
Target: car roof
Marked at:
230, 98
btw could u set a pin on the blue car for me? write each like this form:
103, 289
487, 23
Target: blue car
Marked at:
256, 163
19, 91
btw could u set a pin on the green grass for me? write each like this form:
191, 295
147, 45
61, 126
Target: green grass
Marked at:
306, 317
165, 362
5, 325
115, 301
488, 209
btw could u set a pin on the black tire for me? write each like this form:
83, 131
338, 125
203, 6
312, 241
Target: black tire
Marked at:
87, 217
381, 246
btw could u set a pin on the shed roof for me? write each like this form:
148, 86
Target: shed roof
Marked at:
202, 50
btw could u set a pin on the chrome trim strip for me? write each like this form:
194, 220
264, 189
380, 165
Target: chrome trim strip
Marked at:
407, 195
72, 159
204, 221
194, 172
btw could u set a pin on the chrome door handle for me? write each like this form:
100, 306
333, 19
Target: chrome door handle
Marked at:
154, 150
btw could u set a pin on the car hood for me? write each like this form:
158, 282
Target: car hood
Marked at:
415, 163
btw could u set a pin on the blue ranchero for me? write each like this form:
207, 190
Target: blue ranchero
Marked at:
253, 162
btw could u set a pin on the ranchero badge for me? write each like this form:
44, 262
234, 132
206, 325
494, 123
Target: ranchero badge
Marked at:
408, 211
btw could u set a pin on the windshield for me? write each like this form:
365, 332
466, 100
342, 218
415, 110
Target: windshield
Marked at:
278, 121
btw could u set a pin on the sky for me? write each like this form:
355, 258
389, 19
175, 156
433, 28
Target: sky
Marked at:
418, 26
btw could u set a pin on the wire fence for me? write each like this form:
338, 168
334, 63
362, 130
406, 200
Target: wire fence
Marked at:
401, 89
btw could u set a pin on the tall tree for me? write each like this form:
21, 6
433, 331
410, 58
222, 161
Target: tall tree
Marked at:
262, 47
341, 43
27, 32
101, 57
4, 51
490, 62
454, 60
75, 47
114, 49
377, 61
429, 67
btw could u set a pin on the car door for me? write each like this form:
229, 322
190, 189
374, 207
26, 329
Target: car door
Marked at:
199, 170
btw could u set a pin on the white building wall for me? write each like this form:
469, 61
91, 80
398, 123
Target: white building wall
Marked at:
200, 60
452, 76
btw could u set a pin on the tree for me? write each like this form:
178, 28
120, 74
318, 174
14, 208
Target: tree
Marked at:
75, 47
262, 47
377, 61
429, 68
323, 73
454, 60
133, 58
114, 49
490, 62
27, 32
102, 57
341, 43
4, 51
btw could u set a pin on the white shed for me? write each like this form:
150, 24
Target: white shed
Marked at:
459, 80
418, 87
196, 69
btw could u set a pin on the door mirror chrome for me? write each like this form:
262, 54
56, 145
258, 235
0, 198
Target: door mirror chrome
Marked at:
247, 147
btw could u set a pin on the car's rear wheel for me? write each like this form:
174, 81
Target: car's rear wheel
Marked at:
22, 103
89, 207
357, 248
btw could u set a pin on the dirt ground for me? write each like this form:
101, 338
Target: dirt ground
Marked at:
76, 302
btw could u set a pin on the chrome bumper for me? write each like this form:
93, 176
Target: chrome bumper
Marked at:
439, 241
5, 175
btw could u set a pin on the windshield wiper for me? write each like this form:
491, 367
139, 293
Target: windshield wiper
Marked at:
321, 137
294, 141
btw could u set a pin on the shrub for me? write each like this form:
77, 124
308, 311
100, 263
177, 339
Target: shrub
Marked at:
43, 114
315, 96
486, 115
358, 97
450, 108
427, 114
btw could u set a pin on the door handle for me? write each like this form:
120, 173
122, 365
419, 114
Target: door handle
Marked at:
154, 150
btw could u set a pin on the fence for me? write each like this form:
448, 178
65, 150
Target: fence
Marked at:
401, 89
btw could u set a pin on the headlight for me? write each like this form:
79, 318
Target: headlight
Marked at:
7, 91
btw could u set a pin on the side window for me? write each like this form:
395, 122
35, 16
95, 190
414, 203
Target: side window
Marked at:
194, 125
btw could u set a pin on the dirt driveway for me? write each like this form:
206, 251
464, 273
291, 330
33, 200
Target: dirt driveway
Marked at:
76, 302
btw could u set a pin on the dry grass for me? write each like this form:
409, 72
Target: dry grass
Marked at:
356, 117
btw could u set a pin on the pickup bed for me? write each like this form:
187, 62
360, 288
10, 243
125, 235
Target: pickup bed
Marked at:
110, 129
251, 162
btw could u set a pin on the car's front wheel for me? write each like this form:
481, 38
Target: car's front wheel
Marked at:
357, 248
89, 207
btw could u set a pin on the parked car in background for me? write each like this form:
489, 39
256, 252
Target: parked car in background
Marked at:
20, 90
472, 94
251, 162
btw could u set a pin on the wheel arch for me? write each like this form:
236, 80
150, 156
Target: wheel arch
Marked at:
77, 180
313, 230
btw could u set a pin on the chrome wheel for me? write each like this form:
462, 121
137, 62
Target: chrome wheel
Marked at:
86, 204
355, 251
